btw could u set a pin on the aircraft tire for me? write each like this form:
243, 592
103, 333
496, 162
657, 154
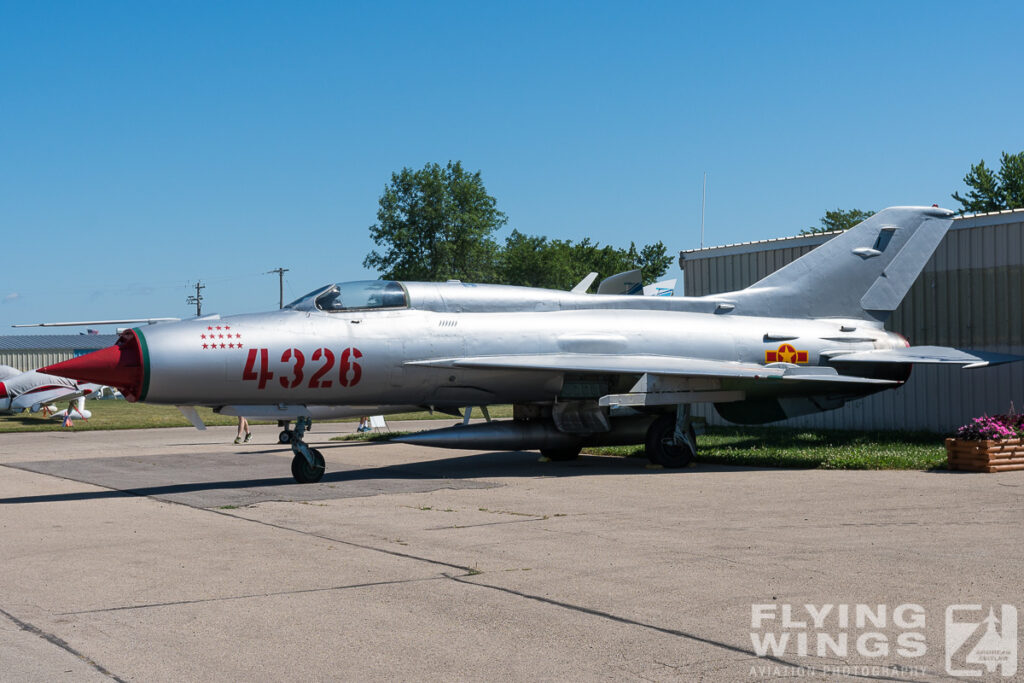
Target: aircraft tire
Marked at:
660, 446
285, 436
561, 454
303, 473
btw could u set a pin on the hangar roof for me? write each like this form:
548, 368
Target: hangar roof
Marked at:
970, 220
52, 342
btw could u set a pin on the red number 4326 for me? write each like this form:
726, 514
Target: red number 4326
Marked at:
319, 374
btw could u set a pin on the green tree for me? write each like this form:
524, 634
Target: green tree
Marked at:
436, 223
991, 191
985, 193
840, 219
534, 261
1011, 180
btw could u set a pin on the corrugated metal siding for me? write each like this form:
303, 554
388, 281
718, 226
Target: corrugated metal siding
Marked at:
30, 360
970, 295
31, 351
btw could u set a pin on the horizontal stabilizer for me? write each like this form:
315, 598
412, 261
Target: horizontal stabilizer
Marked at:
928, 354
825, 374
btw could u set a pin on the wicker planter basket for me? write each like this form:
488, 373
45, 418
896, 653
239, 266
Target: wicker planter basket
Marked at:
985, 456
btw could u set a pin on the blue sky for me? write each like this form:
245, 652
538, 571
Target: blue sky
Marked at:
145, 145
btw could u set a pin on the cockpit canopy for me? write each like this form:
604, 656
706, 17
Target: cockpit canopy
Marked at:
353, 296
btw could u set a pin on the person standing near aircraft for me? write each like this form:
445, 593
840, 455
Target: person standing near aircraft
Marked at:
243, 426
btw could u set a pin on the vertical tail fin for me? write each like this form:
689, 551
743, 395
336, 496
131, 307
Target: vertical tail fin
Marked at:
863, 273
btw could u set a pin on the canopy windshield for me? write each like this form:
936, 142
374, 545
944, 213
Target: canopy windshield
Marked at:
353, 296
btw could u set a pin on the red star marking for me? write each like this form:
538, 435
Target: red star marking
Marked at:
231, 346
206, 346
227, 327
222, 346
218, 327
221, 336
787, 354
238, 336
202, 336
209, 328
239, 344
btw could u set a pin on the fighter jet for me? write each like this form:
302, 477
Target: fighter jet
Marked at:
579, 369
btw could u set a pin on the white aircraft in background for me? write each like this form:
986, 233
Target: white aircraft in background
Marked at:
36, 391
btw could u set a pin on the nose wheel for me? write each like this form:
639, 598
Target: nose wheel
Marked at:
308, 463
306, 473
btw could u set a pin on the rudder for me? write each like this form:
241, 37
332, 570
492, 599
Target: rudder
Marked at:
863, 273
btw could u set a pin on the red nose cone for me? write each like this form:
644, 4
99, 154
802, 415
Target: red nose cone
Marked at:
117, 366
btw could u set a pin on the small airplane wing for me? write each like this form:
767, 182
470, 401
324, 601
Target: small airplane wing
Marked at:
643, 364
45, 395
928, 354
584, 284
7, 372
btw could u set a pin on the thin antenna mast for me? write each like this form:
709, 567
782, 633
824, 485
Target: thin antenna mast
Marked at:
703, 197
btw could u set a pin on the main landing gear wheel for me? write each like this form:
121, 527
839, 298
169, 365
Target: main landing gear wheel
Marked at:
561, 454
303, 472
285, 436
661, 445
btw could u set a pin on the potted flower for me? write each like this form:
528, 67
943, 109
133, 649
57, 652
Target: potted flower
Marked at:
991, 443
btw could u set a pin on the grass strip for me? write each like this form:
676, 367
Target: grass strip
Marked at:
744, 446
802, 448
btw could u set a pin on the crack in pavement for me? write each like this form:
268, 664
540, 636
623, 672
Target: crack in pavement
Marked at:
62, 644
173, 603
407, 556
660, 629
473, 526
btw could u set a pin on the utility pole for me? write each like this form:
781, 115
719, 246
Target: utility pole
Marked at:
280, 277
197, 298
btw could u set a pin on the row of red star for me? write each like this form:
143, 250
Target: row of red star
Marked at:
220, 327
223, 346
219, 336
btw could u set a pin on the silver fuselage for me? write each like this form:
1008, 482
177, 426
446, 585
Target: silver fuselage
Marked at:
366, 357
